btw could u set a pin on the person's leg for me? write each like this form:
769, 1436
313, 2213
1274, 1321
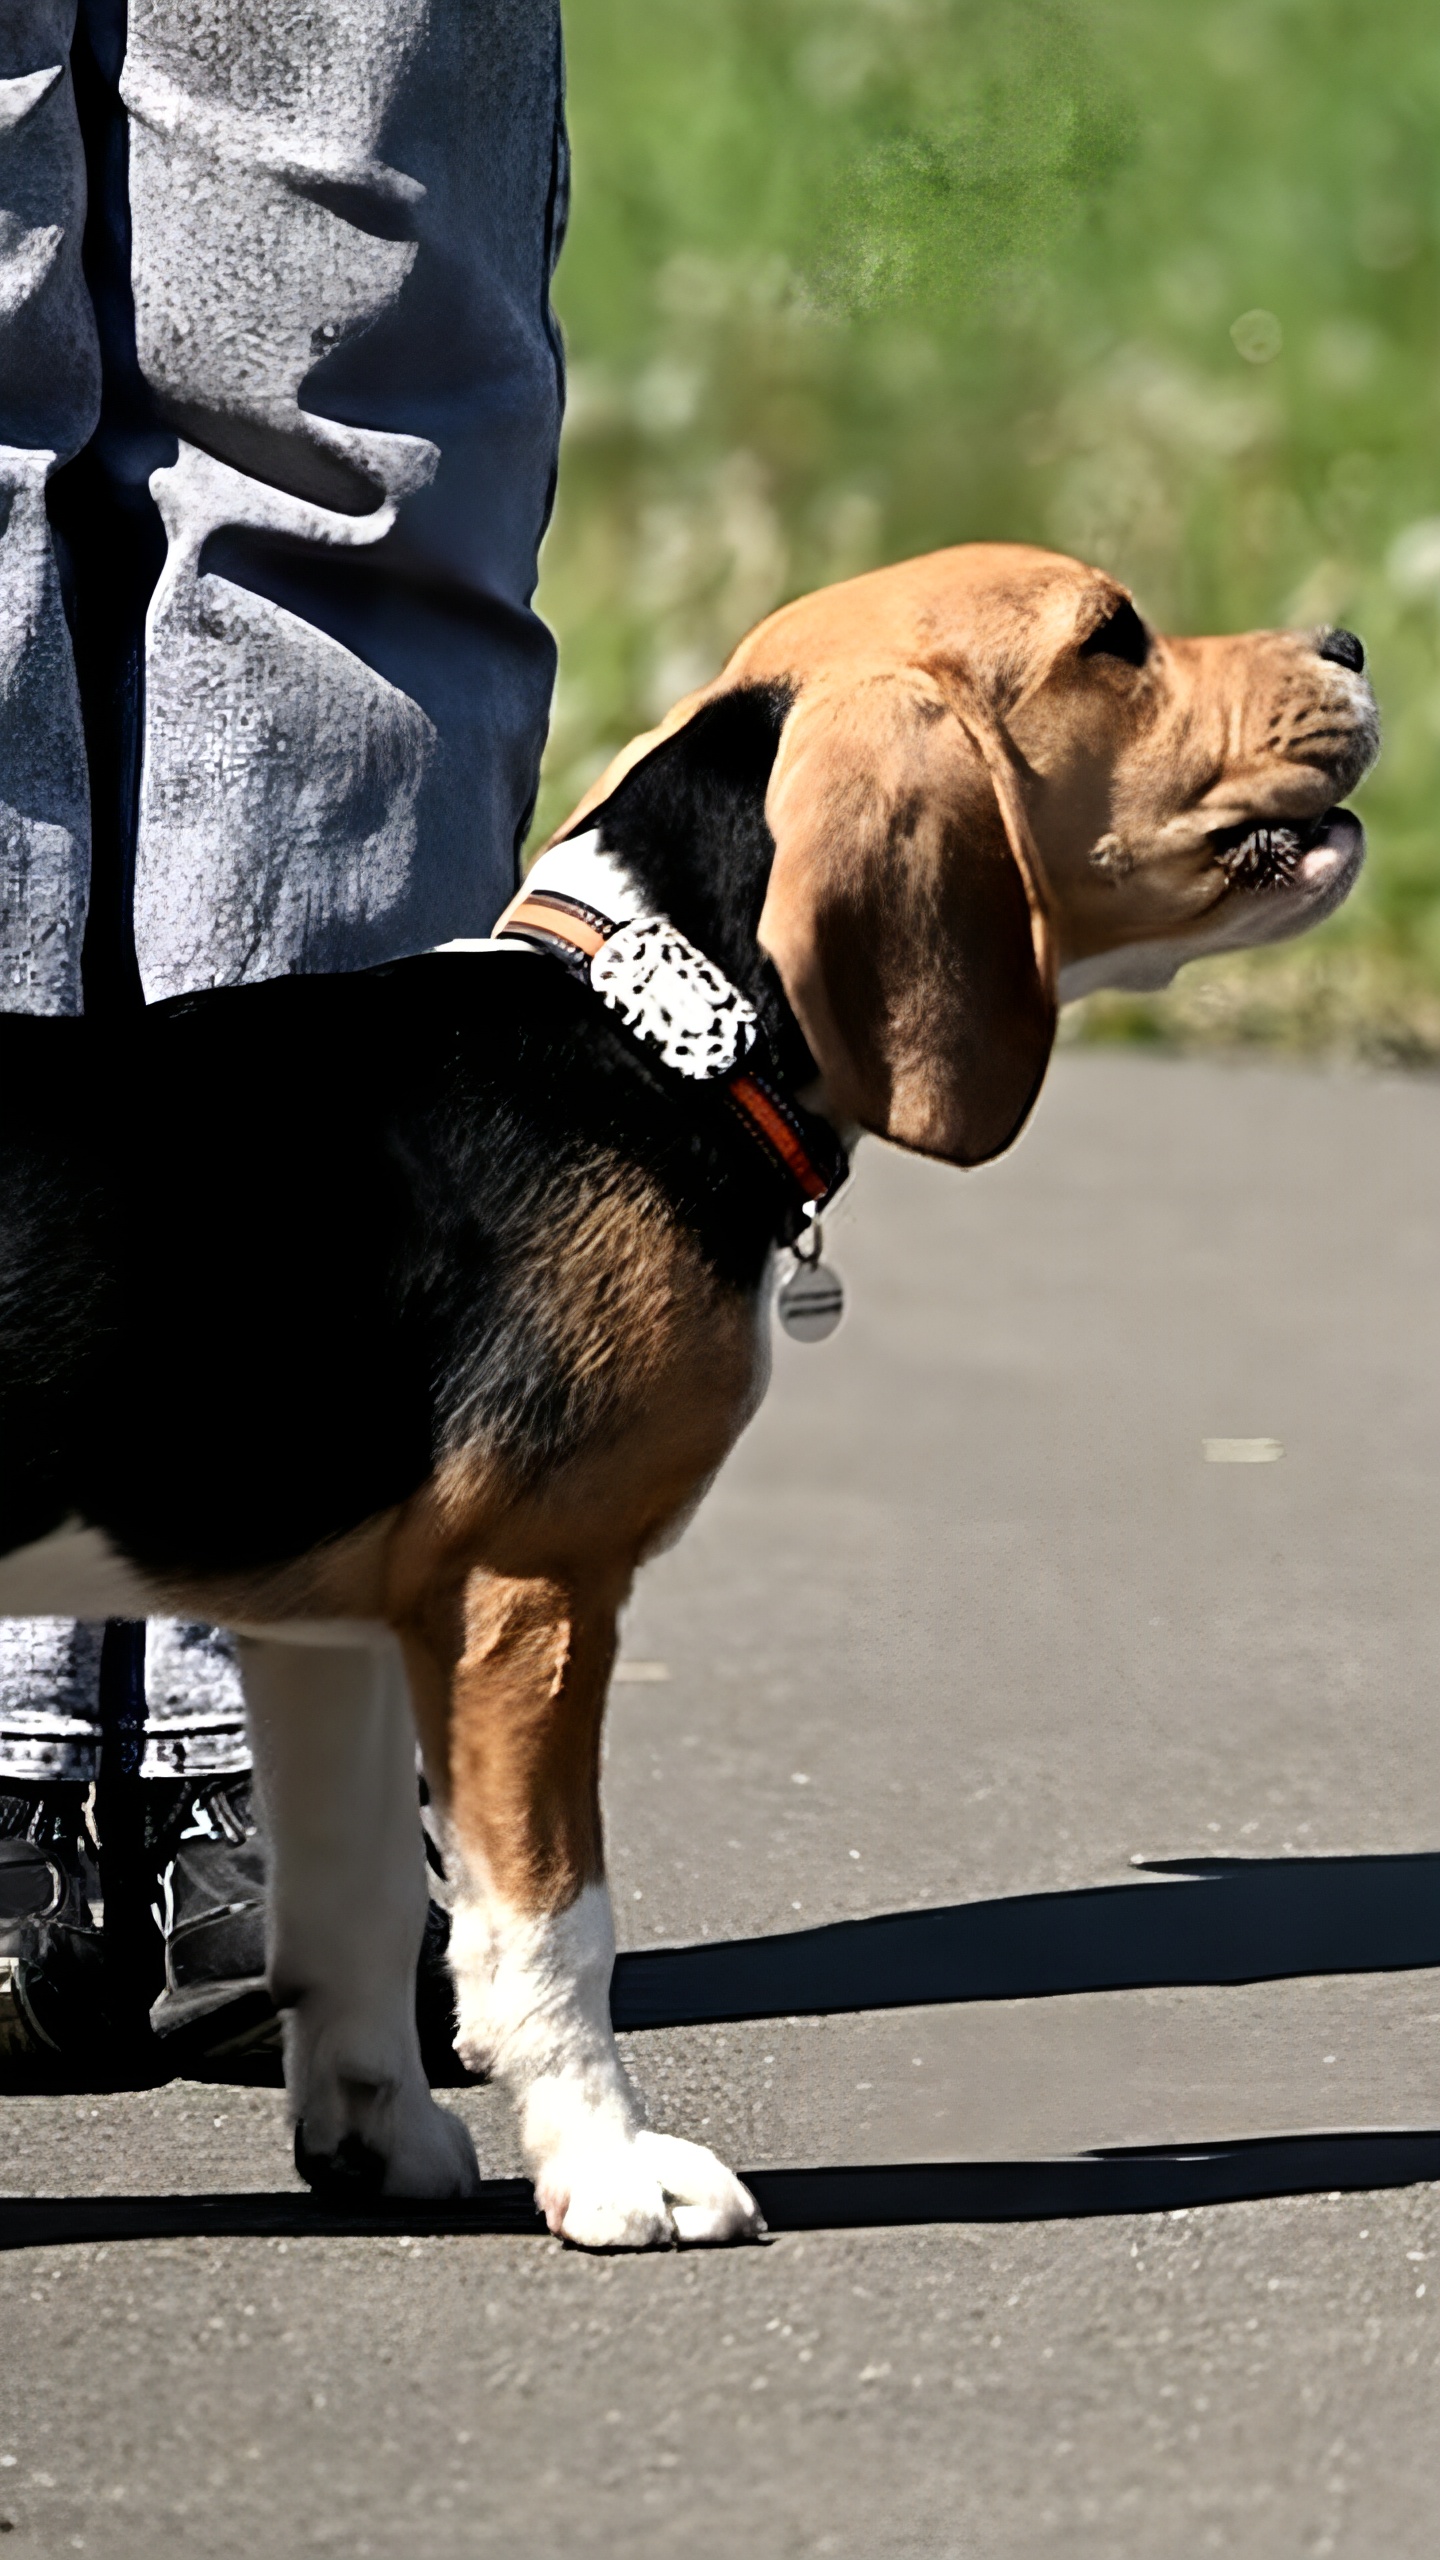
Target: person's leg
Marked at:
96, 540
344, 221
49, 398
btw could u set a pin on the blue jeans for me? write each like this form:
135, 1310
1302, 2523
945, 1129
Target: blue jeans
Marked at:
280, 395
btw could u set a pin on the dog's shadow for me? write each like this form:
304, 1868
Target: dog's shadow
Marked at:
866, 2199
1213, 1921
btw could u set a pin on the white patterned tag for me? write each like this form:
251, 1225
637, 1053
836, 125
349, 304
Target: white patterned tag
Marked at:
670, 996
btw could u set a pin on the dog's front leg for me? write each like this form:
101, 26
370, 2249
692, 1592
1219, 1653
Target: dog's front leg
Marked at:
334, 1746
533, 1942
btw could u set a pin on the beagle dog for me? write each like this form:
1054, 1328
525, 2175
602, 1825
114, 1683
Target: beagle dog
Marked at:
392, 1320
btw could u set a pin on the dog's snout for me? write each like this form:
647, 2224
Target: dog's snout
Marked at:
1343, 648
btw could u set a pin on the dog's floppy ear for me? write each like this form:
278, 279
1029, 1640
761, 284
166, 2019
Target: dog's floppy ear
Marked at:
905, 916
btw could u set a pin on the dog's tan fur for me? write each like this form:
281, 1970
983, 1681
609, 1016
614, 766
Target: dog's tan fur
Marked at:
505, 1597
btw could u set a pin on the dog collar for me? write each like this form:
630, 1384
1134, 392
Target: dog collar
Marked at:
580, 906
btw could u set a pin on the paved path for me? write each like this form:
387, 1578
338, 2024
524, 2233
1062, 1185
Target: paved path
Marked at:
970, 1621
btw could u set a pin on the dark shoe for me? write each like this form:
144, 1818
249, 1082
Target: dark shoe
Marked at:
215, 2014
210, 1856
53, 2009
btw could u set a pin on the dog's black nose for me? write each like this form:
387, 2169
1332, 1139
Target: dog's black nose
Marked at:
1344, 648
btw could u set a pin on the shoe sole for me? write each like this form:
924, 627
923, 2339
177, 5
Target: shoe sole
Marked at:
240, 2025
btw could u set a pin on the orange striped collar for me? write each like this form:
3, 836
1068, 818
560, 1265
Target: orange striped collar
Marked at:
574, 901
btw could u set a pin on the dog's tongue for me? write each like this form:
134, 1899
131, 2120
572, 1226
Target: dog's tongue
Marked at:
1329, 866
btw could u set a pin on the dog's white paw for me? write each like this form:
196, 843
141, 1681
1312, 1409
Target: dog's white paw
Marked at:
358, 2140
432, 2155
707, 2201
644, 2191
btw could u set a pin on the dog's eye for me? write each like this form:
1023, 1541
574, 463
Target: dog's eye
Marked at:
1123, 636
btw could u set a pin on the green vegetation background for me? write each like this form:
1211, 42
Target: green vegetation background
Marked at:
1154, 281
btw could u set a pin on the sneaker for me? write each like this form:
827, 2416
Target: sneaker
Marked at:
53, 2009
215, 2015
215, 2009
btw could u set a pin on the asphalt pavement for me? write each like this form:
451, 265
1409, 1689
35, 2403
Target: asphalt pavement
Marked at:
1024, 1804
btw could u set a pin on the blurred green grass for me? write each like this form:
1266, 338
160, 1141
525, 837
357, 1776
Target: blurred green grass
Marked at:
848, 279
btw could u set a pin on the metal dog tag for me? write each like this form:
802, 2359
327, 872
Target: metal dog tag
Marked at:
810, 1300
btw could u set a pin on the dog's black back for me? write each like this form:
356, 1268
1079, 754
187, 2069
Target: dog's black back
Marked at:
267, 1253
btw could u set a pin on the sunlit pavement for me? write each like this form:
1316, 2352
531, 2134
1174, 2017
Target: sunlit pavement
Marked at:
973, 1620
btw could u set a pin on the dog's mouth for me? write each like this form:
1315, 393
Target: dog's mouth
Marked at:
1277, 877
1319, 857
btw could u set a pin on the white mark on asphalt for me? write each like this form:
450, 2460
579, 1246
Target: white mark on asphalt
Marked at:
1242, 1453
638, 1674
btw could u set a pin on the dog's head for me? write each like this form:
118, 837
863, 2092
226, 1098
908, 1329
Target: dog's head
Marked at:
996, 788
